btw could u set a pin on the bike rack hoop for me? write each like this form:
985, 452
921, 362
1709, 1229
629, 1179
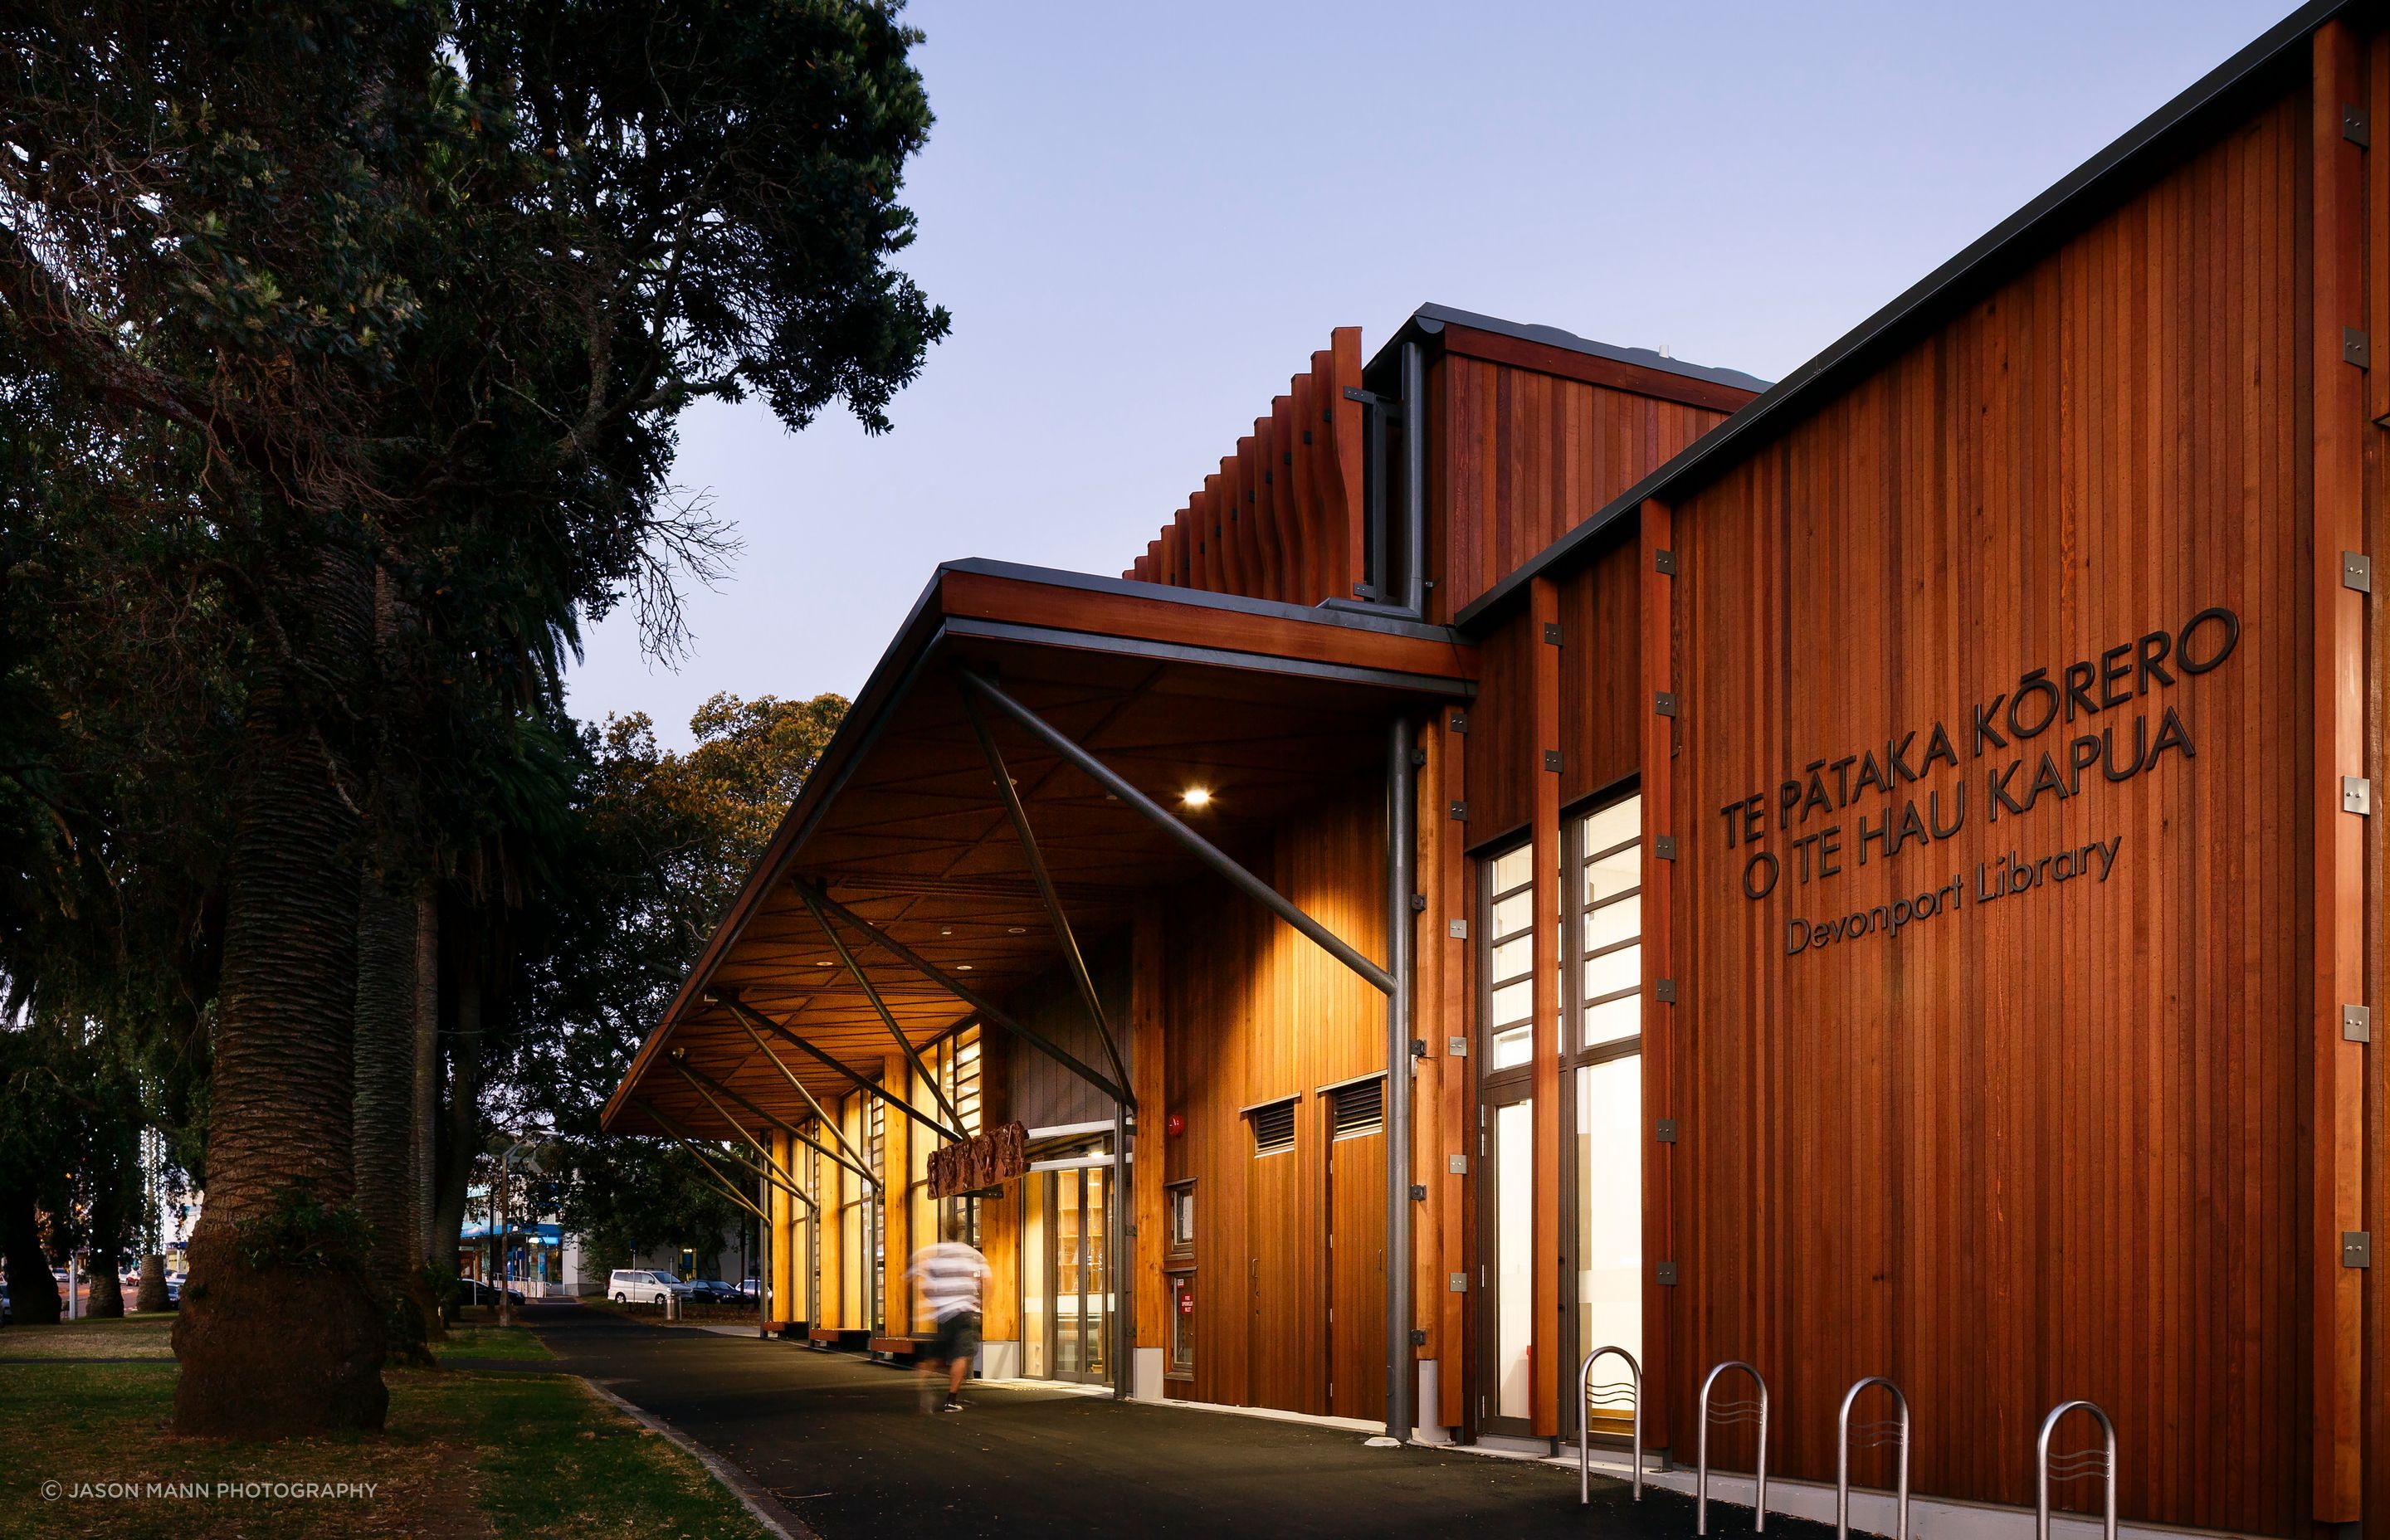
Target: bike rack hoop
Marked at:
2080, 1463
1737, 1412
1843, 1454
1585, 1422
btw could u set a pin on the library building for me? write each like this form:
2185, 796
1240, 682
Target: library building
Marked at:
1567, 893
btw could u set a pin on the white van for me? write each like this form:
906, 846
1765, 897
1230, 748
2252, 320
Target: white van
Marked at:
641, 1286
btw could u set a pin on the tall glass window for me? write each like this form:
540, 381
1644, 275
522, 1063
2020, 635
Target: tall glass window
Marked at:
1509, 950
1604, 936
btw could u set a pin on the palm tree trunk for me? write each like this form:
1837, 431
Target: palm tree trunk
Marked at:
464, 1131
277, 1338
385, 1092
152, 1296
427, 1098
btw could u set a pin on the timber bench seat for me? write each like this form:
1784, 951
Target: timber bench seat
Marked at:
899, 1347
843, 1338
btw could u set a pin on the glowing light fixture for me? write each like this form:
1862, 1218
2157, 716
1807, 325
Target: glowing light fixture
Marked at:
1195, 797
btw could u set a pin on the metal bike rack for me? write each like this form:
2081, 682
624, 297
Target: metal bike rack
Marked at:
1732, 1411
2083, 1462
1873, 1435
1633, 1385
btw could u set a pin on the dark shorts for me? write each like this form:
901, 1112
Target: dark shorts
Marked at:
956, 1337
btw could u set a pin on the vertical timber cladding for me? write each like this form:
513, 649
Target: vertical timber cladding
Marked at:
2007, 1105
1253, 1012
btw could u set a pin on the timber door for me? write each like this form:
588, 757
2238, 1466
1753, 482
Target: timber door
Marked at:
1282, 1346
1356, 1250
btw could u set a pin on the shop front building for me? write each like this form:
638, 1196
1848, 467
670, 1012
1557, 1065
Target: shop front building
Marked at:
1555, 848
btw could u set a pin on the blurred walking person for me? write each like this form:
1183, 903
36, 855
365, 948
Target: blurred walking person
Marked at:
952, 1275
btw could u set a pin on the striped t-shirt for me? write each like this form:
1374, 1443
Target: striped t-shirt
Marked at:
950, 1274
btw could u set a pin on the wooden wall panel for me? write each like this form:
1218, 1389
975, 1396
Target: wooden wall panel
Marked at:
1530, 456
1504, 760
1253, 1012
2376, 543
1602, 703
1280, 519
2049, 1144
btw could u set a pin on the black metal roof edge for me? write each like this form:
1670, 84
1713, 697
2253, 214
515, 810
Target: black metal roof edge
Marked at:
1357, 620
1429, 319
2059, 209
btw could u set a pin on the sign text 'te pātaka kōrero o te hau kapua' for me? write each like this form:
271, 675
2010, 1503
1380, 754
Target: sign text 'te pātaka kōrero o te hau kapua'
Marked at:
2053, 735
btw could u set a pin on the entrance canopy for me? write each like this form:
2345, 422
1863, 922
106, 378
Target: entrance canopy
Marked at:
900, 859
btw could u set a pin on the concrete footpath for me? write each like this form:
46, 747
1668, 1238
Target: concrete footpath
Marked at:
845, 1444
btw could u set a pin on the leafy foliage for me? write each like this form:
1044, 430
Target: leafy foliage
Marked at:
665, 840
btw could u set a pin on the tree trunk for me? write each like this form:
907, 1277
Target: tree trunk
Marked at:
279, 1337
152, 1297
384, 1098
107, 1296
423, 1139
463, 1120
32, 1293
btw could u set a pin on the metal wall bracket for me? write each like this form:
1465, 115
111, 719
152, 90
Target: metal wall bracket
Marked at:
2356, 794
2355, 1248
2356, 571
1456, 1165
1418, 904
2356, 1023
1664, 702
1667, 1274
1457, 929
2356, 348
1460, 813
1457, 1283
1664, 561
1665, 846
1552, 633
1666, 1132
1455, 1048
1458, 723
1418, 1192
1553, 759
2356, 125
1664, 991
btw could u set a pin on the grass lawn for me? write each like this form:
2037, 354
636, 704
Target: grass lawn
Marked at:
134, 1337
464, 1455
465, 1343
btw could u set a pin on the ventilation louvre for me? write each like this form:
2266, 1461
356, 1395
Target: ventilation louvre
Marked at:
1274, 1127
1360, 1107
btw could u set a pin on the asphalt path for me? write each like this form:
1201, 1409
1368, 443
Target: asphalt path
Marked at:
845, 1444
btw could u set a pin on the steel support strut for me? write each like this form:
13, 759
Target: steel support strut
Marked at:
1193, 844
869, 1087
887, 1018
988, 1010
1401, 812
771, 1171
731, 1153
854, 1161
682, 1139
1063, 935
708, 1082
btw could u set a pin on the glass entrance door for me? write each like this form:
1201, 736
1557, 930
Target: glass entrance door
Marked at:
1508, 1315
1081, 1269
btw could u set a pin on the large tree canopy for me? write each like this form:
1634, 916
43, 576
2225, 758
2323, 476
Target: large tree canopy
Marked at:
343, 345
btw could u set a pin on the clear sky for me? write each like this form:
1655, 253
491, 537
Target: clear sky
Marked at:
1144, 217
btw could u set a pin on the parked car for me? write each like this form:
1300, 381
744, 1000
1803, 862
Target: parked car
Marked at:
643, 1286
474, 1291
713, 1291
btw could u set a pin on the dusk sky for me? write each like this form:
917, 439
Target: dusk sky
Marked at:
1144, 218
